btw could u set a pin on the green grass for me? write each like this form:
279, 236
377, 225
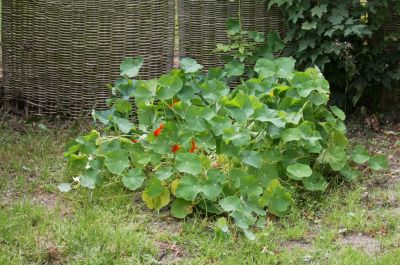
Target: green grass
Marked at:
39, 225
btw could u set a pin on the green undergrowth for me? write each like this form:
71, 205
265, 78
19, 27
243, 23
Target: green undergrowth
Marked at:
38, 225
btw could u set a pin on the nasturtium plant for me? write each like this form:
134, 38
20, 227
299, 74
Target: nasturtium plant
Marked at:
199, 143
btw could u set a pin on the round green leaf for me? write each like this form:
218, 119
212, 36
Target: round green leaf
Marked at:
299, 171
190, 65
265, 68
130, 67
64, 187
117, 161
181, 208
170, 85
336, 157
188, 188
234, 68
277, 198
157, 202
134, 179
360, 155
230, 204
164, 173
378, 162
188, 163
349, 173
154, 187
123, 106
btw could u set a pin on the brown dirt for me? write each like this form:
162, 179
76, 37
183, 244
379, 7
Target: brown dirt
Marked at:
363, 242
170, 253
297, 244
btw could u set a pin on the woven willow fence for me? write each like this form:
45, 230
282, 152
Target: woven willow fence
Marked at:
60, 54
203, 24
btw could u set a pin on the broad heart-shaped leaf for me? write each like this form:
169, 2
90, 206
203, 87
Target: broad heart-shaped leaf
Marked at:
360, 155
299, 171
146, 114
130, 67
91, 178
250, 185
123, 106
350, 173
219, 123
134, 179
378, 162
336, 157
277, 198
213, 90
154, 187
181, 208
77, 163
117, 161
170, 85
338, 113
188, 163
285, 67
145, 90
190, 65
104, 116
230, 204
234, 68
265, 68
157, 202
252, 158
88, 142
315, 183
164, 173
188, 188
124, 125
64, 187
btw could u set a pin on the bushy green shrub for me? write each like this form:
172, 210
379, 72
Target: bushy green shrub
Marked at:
201, 145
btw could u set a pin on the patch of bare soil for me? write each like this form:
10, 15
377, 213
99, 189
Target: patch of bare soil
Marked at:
297, 244
363, 242
170, 253
166, 225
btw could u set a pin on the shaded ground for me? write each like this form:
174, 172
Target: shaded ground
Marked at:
355, 223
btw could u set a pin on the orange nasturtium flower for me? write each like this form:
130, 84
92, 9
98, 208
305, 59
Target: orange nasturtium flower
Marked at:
158, 130
193, 148
134, 141
175, 148
173, 103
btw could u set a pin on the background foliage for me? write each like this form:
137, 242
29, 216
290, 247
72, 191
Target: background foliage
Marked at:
347, 40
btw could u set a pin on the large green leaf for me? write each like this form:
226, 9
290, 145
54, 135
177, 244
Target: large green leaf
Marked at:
134, 179
252, 158
265, 68
169, 86
277, 198
123, 106
350, 173
190, 65
124, 125
338, 113
157, 202
130, 67
234, 68
378, 162
336, 157
360, 155
188, 163
230, 204
299, 171
181, 208
188, 188
117, 161
77, 163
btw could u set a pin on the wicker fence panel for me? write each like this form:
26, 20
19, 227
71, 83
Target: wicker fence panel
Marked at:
58, 55
202, 24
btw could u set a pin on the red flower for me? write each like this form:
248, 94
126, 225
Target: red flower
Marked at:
175, 148
158, 130
173, 103
193, 148
134, 141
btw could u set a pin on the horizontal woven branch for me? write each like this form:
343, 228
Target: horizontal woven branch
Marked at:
59, 55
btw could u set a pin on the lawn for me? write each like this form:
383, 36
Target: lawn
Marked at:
356, 223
